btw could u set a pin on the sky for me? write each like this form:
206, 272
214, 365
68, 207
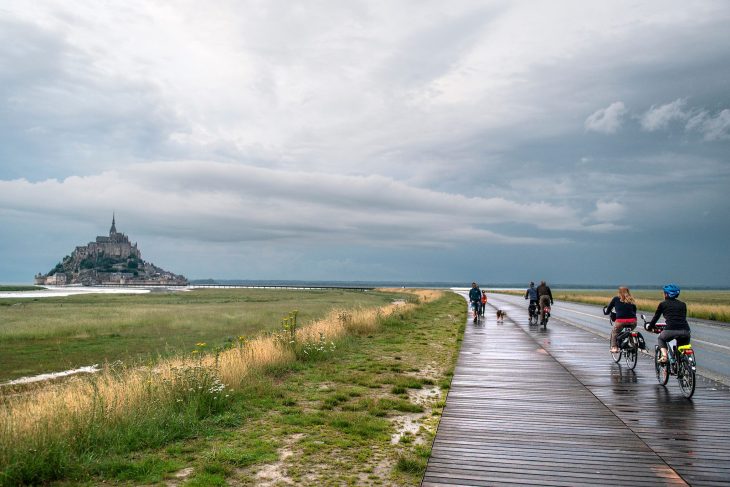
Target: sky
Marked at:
498, 141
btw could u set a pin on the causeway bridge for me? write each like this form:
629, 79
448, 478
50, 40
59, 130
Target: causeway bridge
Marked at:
549, 407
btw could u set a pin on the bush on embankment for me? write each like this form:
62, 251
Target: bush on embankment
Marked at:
55, 432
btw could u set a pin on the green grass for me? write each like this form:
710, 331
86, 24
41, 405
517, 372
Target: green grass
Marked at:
52, 334
326, 422
20, 288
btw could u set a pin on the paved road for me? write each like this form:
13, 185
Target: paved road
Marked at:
711, 340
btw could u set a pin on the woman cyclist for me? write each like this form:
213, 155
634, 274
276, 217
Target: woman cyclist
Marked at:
675, 314
625, 308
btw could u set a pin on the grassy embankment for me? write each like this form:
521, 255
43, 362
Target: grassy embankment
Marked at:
314, 405
708, 305
51, 334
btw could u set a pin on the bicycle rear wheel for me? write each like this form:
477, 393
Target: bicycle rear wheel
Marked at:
686, 378
662, 370
631, 355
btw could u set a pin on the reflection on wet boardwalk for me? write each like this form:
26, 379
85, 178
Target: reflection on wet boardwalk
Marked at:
549, 407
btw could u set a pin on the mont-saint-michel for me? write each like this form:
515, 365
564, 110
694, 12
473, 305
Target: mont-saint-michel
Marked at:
109, 259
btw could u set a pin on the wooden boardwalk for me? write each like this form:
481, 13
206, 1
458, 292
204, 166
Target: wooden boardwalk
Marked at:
549, 407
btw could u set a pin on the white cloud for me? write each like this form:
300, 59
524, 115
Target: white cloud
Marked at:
712, 128
229, 202
609, 211
659, 117
606, 120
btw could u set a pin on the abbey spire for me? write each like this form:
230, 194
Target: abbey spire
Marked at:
113, 229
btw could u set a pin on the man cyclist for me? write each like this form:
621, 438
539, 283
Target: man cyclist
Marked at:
475, 298
531, 294
675, 314
544, 298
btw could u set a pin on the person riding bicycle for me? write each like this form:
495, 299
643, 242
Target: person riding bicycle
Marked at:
475, 298
625, 309
544, 298
531, 294
675, 314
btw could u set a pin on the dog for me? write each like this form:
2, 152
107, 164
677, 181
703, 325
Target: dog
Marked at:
500, 316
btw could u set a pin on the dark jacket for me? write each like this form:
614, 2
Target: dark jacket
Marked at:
623, 310
475, 294
544, 290
675, 314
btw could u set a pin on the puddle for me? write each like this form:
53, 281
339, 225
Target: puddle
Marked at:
53, 375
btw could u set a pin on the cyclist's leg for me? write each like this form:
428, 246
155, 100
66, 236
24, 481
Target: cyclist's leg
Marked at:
614, 332
667, 336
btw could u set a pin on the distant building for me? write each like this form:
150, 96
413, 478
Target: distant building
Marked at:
109, 259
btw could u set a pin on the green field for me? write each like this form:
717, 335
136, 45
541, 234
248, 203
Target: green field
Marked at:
708, 305
52, 334
336, 417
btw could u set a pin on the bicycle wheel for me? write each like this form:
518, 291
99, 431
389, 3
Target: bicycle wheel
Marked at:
686, 378
631, 355
616, 356
662, 370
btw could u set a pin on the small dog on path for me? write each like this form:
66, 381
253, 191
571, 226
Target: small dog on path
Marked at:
500, 316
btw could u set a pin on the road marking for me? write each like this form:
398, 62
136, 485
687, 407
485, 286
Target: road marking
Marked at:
694, 340
581, 313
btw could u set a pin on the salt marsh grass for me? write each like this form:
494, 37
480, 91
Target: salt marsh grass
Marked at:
44, 430
55, 334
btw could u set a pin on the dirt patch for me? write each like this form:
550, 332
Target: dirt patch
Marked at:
428, 372
179, 477
425, 397
275, 473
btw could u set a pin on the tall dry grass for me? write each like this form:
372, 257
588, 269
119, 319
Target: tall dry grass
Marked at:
64, 419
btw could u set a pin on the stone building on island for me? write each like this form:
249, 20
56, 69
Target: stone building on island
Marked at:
109, 259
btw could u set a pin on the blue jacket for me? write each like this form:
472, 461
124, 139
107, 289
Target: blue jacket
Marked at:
475, 294
531, 293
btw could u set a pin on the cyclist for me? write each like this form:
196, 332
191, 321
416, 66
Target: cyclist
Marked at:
544, 297
675, 314
625, 307
483, 302
531, 294
475, 298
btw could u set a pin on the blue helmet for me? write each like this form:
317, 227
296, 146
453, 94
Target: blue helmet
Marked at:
671, 290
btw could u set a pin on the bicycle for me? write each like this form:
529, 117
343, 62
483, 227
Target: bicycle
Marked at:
680, 362
545, 316
629, 342
533, 313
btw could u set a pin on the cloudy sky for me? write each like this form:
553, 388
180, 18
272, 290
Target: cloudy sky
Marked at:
503, 141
